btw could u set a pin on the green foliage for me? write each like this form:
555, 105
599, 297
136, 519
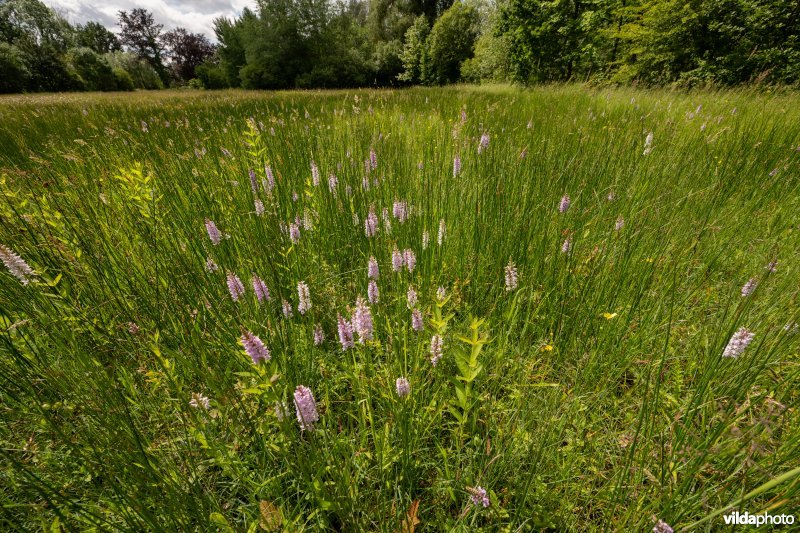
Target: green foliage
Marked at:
40, 39
654, 41
387, 24
450, 43
308, 43
554, 40
142, 74
469, 368
283, 44
142, 35
290, 43
47, 54
386, 61
212, 75
231, 51
721, 42
123, 79
344, 55
50, 72
13, 71
92, 69
30, 24
389, 20
97, 37
415, 52
491, 63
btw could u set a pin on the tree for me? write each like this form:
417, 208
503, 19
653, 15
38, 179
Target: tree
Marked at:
93, 71
141, 35
554, 40
13, 71
187, 51
51, 73
211, 75
341, 52
123, 79
97, 37
431, 9
387, 23
29, 24
491, 60
40, 38
774, 27
720, 42
415, 53
139, 72
451, 42
230, 51
283, 43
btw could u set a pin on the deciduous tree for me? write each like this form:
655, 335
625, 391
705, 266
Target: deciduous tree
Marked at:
141, 35
187, 51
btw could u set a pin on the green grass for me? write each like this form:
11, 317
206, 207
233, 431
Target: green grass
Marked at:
593, 397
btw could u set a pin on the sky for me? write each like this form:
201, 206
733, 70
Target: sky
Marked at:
196, 16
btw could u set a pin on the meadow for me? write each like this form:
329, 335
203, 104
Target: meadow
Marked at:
443, 309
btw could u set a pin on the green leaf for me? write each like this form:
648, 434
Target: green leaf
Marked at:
218, 520
461, 395
456, 414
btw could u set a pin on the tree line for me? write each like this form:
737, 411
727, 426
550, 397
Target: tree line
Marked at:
42, 51
281, 44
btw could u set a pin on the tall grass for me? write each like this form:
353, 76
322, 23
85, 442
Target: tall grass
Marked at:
593, 396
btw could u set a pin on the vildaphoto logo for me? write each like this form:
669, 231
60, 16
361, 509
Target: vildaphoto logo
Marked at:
746, 519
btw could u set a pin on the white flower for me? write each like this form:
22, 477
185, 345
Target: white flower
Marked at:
199, 401
648, 144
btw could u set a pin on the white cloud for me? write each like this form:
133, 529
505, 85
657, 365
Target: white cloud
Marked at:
195, 16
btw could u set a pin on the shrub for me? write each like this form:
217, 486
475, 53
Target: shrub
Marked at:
93, 70
123, 80
212, 76
142, 74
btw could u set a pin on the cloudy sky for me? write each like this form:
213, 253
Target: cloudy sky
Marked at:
195, 15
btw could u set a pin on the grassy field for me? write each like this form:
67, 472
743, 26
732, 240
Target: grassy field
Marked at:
590, 297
